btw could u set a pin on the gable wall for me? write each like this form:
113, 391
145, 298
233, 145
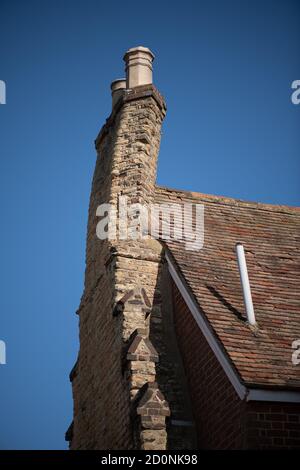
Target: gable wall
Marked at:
217, 409
223, 421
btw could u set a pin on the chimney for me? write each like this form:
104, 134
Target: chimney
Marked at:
123, 279
138, 68
117, 88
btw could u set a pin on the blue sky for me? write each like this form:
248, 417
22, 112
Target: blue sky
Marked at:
225, 69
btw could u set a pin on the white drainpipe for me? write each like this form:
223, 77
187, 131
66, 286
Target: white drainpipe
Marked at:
245, 283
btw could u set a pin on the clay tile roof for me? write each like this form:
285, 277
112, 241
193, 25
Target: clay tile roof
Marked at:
271, 236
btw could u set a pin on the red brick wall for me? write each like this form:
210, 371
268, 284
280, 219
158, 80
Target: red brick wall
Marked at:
273, 425
217, 409
223, 421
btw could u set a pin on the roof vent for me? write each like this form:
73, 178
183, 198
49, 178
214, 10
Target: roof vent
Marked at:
240, 253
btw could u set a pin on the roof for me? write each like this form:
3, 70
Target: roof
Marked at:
270, 234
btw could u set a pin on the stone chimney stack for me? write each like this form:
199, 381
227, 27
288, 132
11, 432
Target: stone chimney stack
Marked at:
138, 62
129, 141
117, 379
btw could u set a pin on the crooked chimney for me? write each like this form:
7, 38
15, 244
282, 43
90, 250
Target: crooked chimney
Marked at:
124, 275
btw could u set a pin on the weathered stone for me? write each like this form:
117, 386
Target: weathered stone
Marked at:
122, 294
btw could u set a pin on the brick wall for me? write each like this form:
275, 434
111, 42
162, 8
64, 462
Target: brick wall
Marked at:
217, 409
223, 421
273, 425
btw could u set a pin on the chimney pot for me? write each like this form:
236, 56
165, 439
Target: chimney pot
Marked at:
138, 68
117, 88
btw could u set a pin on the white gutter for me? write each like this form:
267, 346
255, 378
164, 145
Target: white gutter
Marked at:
241, 259
243, 392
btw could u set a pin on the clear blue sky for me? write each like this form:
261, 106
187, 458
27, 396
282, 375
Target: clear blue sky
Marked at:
225, 69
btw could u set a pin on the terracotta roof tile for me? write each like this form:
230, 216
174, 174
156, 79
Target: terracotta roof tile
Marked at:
270, 235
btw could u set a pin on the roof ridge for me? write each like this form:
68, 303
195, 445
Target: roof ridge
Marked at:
292, 210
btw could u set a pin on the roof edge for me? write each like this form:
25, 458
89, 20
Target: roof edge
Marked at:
282, 396
292, 210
